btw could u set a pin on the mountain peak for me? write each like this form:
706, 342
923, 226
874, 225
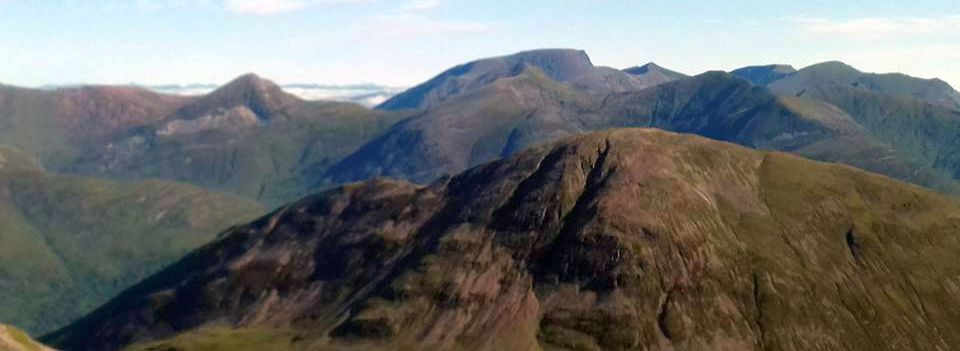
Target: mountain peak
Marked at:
650, 66
563, 65
558, 64
765, 74
262, 97
652, 69
570, 58
833, 67
250, 82
652, 74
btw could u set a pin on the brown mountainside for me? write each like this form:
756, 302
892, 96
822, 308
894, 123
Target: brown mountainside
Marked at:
627, 239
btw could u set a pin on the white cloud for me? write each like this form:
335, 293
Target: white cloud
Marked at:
878, 28
420, 5
272, 7
414, 19
410, 24
264, 7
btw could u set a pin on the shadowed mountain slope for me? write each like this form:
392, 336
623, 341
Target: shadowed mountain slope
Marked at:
628, 239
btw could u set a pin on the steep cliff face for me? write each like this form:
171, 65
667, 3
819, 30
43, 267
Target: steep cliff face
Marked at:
628, 239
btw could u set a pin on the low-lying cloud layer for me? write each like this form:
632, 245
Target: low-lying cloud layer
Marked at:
365, 94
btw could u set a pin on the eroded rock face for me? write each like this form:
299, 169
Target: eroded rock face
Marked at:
630, 239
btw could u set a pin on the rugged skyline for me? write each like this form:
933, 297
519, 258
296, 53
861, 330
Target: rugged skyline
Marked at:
403, 42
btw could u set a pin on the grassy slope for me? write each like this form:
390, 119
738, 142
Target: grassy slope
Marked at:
13, 339
225, 339
69, 243
28, 120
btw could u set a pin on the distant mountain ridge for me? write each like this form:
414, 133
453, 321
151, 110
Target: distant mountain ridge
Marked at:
763, 75
279, 147
248, 137
785, 79
567, 66
655, 74
500, 114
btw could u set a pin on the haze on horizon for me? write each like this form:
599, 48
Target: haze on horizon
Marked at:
404, 42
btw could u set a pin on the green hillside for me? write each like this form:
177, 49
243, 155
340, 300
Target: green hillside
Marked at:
69, 243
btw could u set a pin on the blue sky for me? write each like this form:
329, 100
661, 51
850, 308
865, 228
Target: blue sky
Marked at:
404, 42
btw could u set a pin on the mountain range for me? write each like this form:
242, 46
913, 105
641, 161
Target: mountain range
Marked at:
105, 185
625, 239
495, 107
248, 137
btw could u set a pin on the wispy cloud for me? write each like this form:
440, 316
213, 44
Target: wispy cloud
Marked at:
878, 28
409, 24
421, 5
272, 7
415, 19
264, 7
